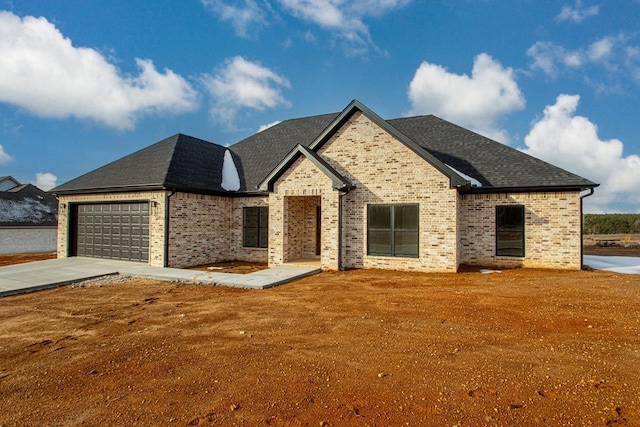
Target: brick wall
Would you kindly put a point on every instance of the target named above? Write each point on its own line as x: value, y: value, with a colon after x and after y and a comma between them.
x: 552, y: 230
x: 203, y: 229
x: 237, y: 251
x: 384, y: 171
x: 292, y: 209
x: 198, y: 229
x: 156, y: 219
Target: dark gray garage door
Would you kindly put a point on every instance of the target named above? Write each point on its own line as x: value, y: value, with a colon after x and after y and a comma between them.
x: 115, y: 231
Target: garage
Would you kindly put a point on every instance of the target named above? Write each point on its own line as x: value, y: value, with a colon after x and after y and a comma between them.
x: 112, y: 230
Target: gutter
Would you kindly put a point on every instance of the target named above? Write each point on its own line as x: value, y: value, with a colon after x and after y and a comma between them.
x: 165, y: 262
x: 591, y: 191
x: 539, y: 189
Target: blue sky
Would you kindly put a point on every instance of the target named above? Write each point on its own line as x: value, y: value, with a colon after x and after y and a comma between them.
x: 85, y: 83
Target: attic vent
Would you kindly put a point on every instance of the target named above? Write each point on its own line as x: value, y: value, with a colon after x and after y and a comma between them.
x: 230, y: 177
x: 474, y: 182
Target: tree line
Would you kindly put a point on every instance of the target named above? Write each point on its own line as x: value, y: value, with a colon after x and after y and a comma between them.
x: 611, y: 223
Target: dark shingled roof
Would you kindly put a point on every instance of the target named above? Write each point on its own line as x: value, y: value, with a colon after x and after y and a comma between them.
x: 494, y: 164
x: 258, y: 155
x: 189, y: 164
x: 27, y: 205
x: 179, y: 162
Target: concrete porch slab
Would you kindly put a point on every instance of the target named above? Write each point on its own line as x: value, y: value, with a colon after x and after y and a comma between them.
x: 34, y: 276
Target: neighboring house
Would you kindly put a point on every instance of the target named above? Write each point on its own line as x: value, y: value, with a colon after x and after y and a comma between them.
x: 28, y: 218
x: 7, y: 183
x: 349, y: 190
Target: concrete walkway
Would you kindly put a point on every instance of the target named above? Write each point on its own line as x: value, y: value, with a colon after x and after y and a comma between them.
x: 34, y: 276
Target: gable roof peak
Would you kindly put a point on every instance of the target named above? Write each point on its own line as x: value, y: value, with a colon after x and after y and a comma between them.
x: 340, y: 182
x: 456, y: 181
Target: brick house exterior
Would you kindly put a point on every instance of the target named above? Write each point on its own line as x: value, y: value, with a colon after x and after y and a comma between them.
x: 348, y: 190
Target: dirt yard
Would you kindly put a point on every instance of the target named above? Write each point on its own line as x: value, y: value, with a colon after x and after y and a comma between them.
x: 358, y: 348
x: 612, y: 245
x: 22, y: 258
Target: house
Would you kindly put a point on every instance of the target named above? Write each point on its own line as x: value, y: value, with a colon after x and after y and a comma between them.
x: 7, y: 183
x: 348, y: 190
x: 28, y: 218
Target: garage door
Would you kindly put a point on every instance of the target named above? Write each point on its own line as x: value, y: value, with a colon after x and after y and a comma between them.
x: 115, y: 231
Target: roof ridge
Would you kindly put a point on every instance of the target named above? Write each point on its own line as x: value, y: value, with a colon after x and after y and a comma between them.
x: 413, y: 117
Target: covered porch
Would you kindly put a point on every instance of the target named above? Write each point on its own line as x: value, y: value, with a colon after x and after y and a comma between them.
x: 305, y: 193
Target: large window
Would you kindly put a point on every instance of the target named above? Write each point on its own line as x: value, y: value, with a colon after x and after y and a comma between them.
x: 510, y: 231
x: 255, y: 227
x: 392, y: 230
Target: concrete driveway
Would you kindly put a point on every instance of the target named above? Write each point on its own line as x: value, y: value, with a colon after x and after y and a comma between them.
x: 34, y: 276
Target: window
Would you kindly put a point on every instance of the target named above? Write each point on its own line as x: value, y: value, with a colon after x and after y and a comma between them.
x: 255, y: 227
x: 392, y: 230
x: 510, y: 231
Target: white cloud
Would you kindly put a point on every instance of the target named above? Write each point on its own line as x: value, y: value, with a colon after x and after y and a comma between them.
x: 601, y: 49
x: 242, y: 84
x: 344, y: 18
x: 244, y: 15
x: 42, y: 72
x: 613, y: 53
x: 4, y: 157
x: 45, y: 180
x: 549, y: 57
x: 476, y: 102
x: 572, y: 142
x: 268, y: 125
x: 577, y: 13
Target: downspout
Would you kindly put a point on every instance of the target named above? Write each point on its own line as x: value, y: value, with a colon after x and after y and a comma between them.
x: 340, y: 195
x: 582, y: 227
x: 165, y: 263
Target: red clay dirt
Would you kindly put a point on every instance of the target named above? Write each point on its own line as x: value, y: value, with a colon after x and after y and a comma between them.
x: 356, y: 348
x: 22, y: 258
x: 235, y: 267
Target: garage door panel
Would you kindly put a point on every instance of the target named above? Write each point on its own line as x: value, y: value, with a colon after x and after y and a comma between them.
x: 115, y: 231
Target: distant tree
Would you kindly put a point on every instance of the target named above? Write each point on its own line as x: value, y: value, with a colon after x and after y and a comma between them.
x: 611, y: 223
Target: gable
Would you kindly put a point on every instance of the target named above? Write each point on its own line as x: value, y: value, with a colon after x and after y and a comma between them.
x: 258, y: 155
x: 338, y: 181
x: 375, y: 160
x: 302, y: 177
x: 7, y: 183
x: 355, y: 107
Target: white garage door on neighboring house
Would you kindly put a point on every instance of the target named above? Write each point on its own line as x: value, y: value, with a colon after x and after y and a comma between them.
x: 112, y: 230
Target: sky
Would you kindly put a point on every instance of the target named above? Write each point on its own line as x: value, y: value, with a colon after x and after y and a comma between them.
x: 83, y: 83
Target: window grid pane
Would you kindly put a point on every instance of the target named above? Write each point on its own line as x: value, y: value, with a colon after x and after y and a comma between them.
x: 380, y: 217
x: 406, y: 243
x: 380, y: 242
x: 255, y: 227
